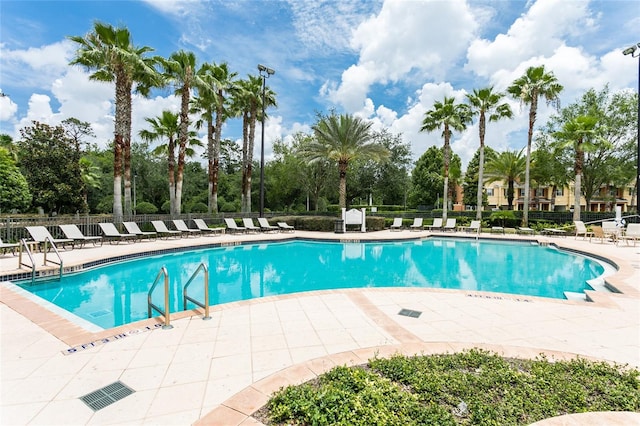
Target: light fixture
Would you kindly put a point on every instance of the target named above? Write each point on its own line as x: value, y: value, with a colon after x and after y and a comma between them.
x: 631, y: 50
x: 265, y: 72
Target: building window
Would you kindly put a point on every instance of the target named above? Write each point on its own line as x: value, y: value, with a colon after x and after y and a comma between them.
x: 490, y: 192
x: 559, y: 192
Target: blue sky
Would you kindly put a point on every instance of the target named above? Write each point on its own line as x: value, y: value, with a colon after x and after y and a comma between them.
x: 386, y: 61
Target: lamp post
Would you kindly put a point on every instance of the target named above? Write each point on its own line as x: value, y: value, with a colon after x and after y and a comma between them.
x: 265, y: 72
x: 635, y: 53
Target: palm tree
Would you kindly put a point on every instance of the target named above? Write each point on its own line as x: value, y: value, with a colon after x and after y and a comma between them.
x: 180, y: 70
x: 449, y: 116
x: 533, y: 84
x: 247, y: 102
x: 110, y: 52
x: 507, y: 166
x: 213, y: 106
x: 581, y: 135
x: 343, y: 139
x: 486, y: 101
x: 166, y: 127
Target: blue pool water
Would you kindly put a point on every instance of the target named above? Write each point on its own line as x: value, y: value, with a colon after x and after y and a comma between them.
x: 117, y: 294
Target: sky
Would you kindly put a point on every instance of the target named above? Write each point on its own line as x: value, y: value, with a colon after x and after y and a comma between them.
x: 386, y: 61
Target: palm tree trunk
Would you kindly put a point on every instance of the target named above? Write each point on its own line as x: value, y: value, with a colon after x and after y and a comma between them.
x: 532, y: 120
x: 210, y: 161
x: 245, y: 166
x: 342, y: 189
x: 445, y: 195
x: 216, y: 155
x: 122, y: 94
x: 578, y: 180
x: 480, y: 169
x: 128, y: 210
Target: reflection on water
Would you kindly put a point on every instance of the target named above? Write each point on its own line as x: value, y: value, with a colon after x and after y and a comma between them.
x: 117, y: 294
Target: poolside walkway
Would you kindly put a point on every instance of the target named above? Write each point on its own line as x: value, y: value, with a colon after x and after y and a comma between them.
x: 220, y: 371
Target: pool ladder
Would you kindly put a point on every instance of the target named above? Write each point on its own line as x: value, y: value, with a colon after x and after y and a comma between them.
x: 24, y: 247
x: 185, y: 297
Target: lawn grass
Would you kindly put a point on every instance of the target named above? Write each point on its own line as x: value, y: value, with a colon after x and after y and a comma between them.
x: 469, y: 388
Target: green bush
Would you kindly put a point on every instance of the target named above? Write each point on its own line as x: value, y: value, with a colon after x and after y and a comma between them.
x: 166, y: 207
x: 199, y: 207
x: 145, y: 207
x: 229, y: 207
x: 504, y: 218
x: 475, y: 387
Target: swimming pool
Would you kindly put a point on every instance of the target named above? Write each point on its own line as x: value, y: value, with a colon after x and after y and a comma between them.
x: 116, y: 294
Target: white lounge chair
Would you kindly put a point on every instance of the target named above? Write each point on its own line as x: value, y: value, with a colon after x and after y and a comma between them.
x: 396, y: 225
x: 41, y: 235
x: 265, y: 226
x: 450, y: 225
x: 74, y: 233
x: 611, y: 230
x: 133, y: 228
x: 581, y: 229
x: 437, y: 224
x: 526, y: 230
x: 202, y: 226
x: 6, y: 246
x: 232, y: 226
x: 284, y: 227
x: 249, y: 225
x: 416, y: 225
x: 474, y: 226
x: 182, y: 227
x: 632, y: 233
x: 111, y: 233
x: 162, y: 229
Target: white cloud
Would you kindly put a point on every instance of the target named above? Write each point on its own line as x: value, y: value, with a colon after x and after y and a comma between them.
x: 8, y: 108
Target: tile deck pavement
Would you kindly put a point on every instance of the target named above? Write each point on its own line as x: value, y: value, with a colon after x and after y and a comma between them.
x: 219, y: 372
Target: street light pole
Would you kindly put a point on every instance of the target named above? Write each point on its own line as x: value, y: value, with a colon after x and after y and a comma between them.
x: 635, y: 53
x: 265, y: 72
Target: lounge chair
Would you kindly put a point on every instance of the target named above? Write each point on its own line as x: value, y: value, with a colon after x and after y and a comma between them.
x: 232, y: 226
x: 581, y: 229
x: 526, y: 230
x: 111, y: 233
x: 396, y: 225
x: 182, y: 227
x: 133, y: 228
x: 611, y: 230
x: 416, y: 225
x: 474, y: 226
x: 249, y: 225
x: 74, y: 233
x: 163, y: 231
x: 265, y: 226
x: 284, y: 227
x: 437, y: 224
x: 202, y: 226
x: 632, y: 233
x: 6, y: 246
x: 450, y: 225
x: 41, y: 235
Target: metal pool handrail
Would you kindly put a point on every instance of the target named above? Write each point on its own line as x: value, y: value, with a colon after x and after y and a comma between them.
x: 150, y: 305
x: 202, y: 267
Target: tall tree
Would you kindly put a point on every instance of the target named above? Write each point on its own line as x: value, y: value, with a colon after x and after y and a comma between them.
x: 166, y: 127
x: 14, y: 189
x: 180, y: 71
x: 247, y: 101
x: 579, y: 135
x: 51, y: 165
x: 111, y: 53
x: 528, y: 88
x: 471, y: 178
x: 449, y: 116
x: 507, y: 166
x: 343, y: 139
x: 486, y: 101
x: 213, y: 105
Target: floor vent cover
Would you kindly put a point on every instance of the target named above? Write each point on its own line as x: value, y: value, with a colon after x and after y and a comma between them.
x: 109, y: 394
x: 409, y: 313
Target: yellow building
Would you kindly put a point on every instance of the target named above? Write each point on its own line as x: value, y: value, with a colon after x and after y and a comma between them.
x: 543, y: 199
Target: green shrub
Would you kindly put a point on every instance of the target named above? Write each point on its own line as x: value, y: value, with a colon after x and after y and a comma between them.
x: 145, y: 207
x: 199, y: 207
x: 474, y: 387
x: 166, y: 207
x: 504, y: 218
x: 229, y: 207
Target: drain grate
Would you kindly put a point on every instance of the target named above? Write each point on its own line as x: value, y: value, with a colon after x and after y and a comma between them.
x: 109, y: 394
x: 409, y: 313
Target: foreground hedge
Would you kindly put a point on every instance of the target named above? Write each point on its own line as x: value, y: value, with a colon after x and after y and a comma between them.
x: 469, y: 388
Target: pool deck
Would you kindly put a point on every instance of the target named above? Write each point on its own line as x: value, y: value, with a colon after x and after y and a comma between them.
x: 219, y: 372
